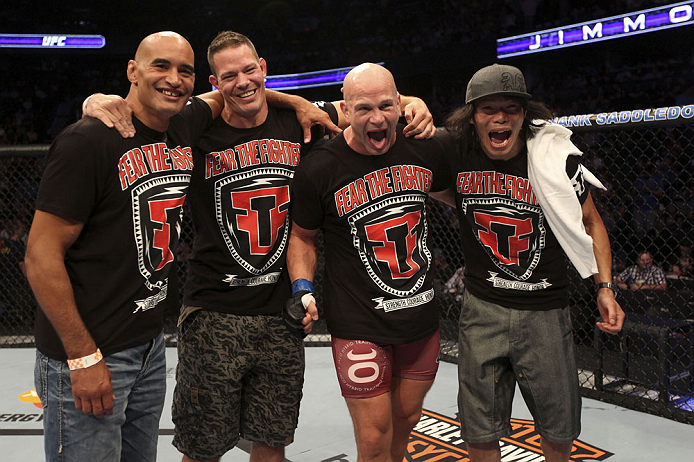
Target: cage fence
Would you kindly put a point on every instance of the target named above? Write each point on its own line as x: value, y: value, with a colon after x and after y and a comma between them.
x: 648, y: 207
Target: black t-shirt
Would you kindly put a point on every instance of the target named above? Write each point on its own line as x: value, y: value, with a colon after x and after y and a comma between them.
x: 512, y: 257
x: 378, y: 285
x: 129, y: 194
x: 240, y: 201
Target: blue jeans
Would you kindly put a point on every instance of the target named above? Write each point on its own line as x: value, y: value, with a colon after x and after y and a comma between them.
x: 138, y: 377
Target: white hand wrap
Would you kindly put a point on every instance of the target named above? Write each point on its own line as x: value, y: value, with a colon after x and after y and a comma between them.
x: 306, y: 300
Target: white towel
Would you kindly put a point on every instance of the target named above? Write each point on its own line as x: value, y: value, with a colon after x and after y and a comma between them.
x: 547, y: 153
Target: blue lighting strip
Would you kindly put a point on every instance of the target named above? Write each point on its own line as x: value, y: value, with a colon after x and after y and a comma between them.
x: 639, y: 22
x: 51, y: 41
x: 308, y: 79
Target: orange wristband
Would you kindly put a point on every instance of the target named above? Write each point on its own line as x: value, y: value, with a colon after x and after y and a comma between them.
x: 85, y: 361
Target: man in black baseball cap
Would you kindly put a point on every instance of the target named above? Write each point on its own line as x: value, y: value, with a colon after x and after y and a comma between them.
x: 523, y: 208
x: 497, y: 79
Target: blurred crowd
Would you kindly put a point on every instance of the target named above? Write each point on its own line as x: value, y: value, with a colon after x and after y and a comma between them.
x: 433, y: 47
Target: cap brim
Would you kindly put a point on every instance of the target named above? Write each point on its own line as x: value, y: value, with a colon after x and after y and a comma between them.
x: 517, y: 94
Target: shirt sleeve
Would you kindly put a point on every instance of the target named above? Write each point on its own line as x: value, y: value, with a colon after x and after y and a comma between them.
x: 451, y: 152
x: 307, y: 208
x: 194, y: 119
x: 574, y: 170
x: 442, y: 171
x: 316, y: 131
x: 72, y: 179
x: 329, y: 108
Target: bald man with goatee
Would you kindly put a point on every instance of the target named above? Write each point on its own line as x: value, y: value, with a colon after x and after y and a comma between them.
x: 367, y: 189
x: 99, y: 255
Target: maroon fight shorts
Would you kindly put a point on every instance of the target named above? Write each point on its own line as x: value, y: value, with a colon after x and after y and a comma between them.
x: 364, y: 369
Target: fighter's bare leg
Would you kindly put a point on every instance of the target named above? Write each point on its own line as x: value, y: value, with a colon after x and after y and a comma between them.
x: 490, y: 452
x: 373, y: 427
x: 555, y: 452
x: 259, y: 453
x: 407, y: 397
x: 484, y: 452
x: 262, y: 453
x: 188, y: 459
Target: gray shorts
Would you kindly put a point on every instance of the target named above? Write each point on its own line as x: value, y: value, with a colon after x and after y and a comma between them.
x: 499, y: 347
x: 237, y: 377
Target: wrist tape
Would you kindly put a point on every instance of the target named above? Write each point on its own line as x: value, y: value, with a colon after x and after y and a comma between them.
x: 302, y: 284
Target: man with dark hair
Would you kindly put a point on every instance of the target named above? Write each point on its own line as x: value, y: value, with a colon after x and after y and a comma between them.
x: 240, y: 370
x: 99, y: 256
x: 228, y: 39
x: 521, y: 200
x: 367, y: 189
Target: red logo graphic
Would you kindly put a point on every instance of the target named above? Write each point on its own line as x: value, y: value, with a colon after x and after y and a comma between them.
x: 157, y: 213
x: 391, y: 239
x: 164, y: 213
x: 398, y: 239
x: 265, y: 214
x: 512, y: 234
x: 252, y: 211
x: 506, y: 237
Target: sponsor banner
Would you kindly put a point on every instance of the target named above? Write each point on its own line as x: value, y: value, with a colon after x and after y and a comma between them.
x: 635, y: 117
x: 598, y: 30
x: 51, y: 41
x: 437, y: 438
x: 23, y: 418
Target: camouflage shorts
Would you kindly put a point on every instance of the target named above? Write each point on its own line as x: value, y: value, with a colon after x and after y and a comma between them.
x: 237, y: 377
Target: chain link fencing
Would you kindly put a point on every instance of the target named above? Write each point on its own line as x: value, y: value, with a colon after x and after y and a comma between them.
x: 20, y: 173
x: 646, y: 160
x: 646, y: 163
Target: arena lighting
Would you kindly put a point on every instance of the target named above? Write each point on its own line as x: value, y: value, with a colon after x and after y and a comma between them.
x: 308, y: 79
x: 639, y: 22
x: 51, y: 41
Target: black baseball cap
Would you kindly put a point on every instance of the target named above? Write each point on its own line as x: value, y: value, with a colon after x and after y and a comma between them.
x: 497, y: 79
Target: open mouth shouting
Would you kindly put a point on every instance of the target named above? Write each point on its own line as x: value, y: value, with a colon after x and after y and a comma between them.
x: 378, y: 138
x: 499, y: 138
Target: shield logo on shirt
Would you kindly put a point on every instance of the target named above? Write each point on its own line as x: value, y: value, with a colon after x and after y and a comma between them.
x: 513, y: 235
x: 252, y: 210
x: 390, y: 237
x: 157, y: 213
